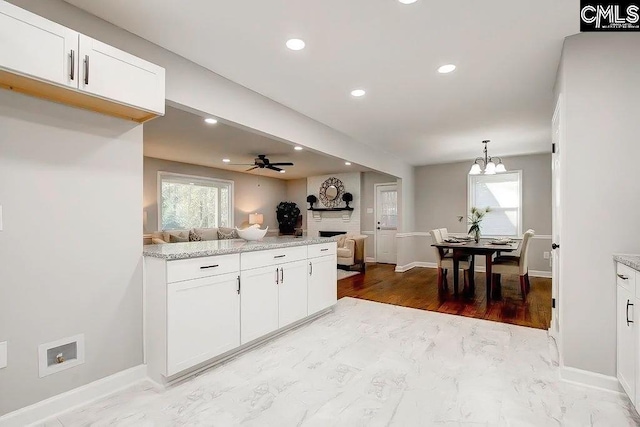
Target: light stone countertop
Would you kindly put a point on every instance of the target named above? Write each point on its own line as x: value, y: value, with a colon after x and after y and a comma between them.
x: 172, y: 251
x: 632, y: 261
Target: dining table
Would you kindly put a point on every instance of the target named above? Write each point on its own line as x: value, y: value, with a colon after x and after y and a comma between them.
x: 462, y: 250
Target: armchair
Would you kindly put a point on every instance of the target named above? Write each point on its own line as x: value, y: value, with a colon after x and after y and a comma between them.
x: 351, y: 251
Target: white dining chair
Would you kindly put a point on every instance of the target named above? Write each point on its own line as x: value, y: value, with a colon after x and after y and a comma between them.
x: 516, y: 265
x: 446, y: 262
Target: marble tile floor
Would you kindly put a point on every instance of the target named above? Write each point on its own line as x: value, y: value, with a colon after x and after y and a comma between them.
x: 372, y: 364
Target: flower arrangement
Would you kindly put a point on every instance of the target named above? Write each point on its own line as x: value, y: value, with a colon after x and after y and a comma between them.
x: 475, y: 219
x: 287, y: 214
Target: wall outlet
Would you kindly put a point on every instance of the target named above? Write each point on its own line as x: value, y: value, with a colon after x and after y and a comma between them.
x: 3, y: 354
x: 546, y: 255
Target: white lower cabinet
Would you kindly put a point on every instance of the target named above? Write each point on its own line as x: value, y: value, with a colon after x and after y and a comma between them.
x: 203, y: 320
x: 627, y: 332
x: 258, y: 302
x: 322, y: 283
x: 292, y: 293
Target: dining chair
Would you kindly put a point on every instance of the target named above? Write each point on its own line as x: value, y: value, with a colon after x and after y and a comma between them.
x: 516, y: 265
x: 446, y: 262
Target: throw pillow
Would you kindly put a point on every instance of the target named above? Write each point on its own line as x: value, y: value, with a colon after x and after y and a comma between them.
x: 225, y: 233
x: 177, y: 238
x: 194, y: 236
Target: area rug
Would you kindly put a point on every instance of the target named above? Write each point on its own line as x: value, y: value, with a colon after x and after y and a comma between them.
x: 343, y: 274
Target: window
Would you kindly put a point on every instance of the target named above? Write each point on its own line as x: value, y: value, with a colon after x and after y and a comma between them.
x: 503, y: 194
x: 194, y: 202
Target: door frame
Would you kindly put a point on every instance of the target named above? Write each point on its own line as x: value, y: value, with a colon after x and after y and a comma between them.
x: 375, y: 215
x: 556, y: 223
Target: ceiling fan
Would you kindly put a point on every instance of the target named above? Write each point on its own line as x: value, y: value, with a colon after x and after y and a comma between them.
x: 263, y: 162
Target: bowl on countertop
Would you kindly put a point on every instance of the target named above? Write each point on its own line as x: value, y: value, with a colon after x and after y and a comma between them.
x: 252, y: 233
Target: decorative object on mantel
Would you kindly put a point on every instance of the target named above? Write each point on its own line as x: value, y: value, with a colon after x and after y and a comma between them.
x: 287, y: 214
x: 490, y: 168
x: 475, y: 219
x: 347, y: 198
x: 311, y: 199
x: 331, y: 192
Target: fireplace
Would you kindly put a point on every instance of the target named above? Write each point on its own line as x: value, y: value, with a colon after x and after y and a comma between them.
x: 331, y: 233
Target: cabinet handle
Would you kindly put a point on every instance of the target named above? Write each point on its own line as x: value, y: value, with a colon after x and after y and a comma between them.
x: 277, y: 277
x: 623, y: 277
x: 324, y: 250
x: 86, y: 69
x: 72, y: 73
x: 281, y: 275
x: 628, y: 304
x: 204, y: 267
x: 238, y: 285
x: 279, y: 256
x: 310, y: 269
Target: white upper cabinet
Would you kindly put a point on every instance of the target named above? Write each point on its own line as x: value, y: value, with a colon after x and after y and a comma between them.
x: 113, y: 74
x: 36, y: 47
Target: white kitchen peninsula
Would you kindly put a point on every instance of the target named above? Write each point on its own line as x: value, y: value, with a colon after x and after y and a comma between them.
x: 205, y: 301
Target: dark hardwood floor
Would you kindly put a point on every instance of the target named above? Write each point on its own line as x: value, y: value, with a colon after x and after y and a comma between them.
x: 417, y: 288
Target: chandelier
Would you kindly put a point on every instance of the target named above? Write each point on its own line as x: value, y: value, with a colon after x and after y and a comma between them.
x: 488, y: 165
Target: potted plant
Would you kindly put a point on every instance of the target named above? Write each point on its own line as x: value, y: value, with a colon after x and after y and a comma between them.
x: 311, y: 199
x: 348, y: 198
x: 287, y: 214
x: 475, y: 219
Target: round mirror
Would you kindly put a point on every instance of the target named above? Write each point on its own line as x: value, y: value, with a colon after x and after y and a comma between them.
x: 332, y: 192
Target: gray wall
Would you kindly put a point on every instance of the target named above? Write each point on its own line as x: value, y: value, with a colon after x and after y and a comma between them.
x: 368, y: 220
x: 297, y: 192
x: 441, y: 196
x: 600, y: 190
x: 70, y: 188
x: 252, y: 193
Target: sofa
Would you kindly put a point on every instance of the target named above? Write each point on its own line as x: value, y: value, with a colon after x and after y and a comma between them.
x: 351, y: 251
x: 175, y: 236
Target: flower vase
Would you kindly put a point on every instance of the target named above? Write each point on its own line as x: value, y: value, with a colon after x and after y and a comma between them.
x: 476, y: 235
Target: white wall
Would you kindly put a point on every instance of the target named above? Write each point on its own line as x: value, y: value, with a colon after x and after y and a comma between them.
x: 334, y: 221
x: 297, y: 193
x: 600, y: 193
x: 252, y: 193
x: 71, y: 192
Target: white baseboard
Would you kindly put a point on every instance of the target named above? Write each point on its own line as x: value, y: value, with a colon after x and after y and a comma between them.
x: 71, y: 399
x: 369, y: 259
x: 478, y: 269
x: 590, y: 379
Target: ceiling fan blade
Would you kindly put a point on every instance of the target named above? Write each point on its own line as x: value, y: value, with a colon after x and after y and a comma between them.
x: 240, y: 164
x: 282, y: 164
x: 273, y: 168
x: 250, y: 169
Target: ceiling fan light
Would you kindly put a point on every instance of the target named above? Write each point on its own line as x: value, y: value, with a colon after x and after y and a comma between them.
x: 500, y: 168
x: 475, y: 169
x: 490, y: 169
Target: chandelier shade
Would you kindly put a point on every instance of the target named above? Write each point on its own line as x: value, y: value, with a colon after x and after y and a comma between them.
x: 489, y: 167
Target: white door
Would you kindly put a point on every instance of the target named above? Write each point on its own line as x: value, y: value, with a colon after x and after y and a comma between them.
x: 36, y: 47
x: 386, y: 222
x: 258, y: 302
x: 203, y: 320
x: 323, y: 283
x: 626, y: 340
x: 292, y: 292
x: 113, y: 74
x: 556, y: 137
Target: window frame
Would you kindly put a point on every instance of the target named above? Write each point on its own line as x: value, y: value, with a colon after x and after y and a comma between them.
x: 471, y: 198
x: 162, y: 174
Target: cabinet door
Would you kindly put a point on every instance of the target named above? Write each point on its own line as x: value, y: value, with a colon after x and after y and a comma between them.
x: 203, y: 320
x: 626, y: 340
x: 323, y: 283
x: 258, y: 302
x: 292, y: 293
x: 36, y: 47
x: 116, y: 75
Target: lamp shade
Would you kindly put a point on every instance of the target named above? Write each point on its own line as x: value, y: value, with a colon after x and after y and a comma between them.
x: 256, y: 218
x: 490, y: 169
x: 475, y: 169
x: 500, y: 168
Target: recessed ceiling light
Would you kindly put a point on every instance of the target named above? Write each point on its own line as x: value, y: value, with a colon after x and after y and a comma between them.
x: 407, y: 1
x: 210, y: 120
x: 347, y: 163
x: 226, y: 160
x: 295, y: 44
x: 298, y: 148
x: 282, y: 171
x: 446, y: 68
x: 358, y: 93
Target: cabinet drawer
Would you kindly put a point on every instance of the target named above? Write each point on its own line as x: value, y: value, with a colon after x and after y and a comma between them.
x: 196, y: 268
x: 322, y: 249
x: 249, y: 260
x: 626, y: 277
